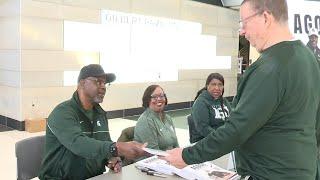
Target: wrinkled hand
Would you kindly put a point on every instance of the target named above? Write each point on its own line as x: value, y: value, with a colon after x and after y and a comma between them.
x: 175, y: 158
x: 115, y: 164
x: 131, y: 150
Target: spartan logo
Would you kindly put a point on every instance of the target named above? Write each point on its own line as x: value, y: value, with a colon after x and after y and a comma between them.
x: 98, y: 123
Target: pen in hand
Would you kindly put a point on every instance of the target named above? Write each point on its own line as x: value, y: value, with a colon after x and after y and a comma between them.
x: 115, y: 164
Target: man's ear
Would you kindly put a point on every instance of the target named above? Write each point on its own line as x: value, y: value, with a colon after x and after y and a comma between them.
x: 81, y: 82
x: 268, y: 18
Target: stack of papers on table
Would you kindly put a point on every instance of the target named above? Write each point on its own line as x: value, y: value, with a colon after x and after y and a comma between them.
x: 207, y: 170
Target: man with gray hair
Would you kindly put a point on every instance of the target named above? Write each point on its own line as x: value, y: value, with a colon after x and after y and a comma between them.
x: 272, y: 126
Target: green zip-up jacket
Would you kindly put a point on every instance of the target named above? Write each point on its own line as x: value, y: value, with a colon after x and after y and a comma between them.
x: 157, y: 133
x: 207, y: 115
x: 77, y: 142
x: 272, y: 127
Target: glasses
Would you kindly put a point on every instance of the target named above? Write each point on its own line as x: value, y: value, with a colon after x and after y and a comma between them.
x: 244, y: 21
x: 160, y: 96
x: 98, y: 82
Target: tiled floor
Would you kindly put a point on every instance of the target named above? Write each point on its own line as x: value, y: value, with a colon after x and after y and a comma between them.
x: 9, y: 138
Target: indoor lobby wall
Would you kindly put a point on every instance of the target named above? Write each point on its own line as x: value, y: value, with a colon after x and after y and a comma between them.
x: 10, y: 75
x: 42, y: 58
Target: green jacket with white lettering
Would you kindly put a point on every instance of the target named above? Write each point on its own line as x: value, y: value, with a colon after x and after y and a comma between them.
x: 207, y: 115
x: 77, y: 142
x: 272, y: 127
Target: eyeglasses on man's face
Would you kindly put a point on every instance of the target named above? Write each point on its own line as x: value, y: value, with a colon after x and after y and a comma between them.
x: 158, y: 96
x: 97, y: 81
x: 244, y: 21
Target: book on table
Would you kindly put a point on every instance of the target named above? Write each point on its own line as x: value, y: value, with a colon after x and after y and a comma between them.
x: 207, y: 170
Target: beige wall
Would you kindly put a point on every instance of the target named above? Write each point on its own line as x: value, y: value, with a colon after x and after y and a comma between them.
x: 31, y: 70
x: 10, y: 75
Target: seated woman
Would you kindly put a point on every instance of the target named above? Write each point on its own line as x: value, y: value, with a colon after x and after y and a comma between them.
x: 154, y: 126
x: 210, y: 109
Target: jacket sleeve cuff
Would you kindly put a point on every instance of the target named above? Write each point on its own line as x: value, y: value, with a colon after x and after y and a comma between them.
x: 106, y: 149
x: 187, y: 156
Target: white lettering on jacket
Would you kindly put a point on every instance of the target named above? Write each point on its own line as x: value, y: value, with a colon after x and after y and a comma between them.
x: 219, y: 114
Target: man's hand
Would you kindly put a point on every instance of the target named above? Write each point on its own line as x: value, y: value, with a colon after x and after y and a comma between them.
x: 131, y: 150
x: 175, y: 158
x: 114, y: 164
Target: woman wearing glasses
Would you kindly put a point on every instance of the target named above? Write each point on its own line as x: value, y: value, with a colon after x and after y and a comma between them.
x: 210, y: 109
x: 154, y: 126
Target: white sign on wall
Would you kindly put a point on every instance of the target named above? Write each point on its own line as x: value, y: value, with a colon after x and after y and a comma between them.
x: 140, y: 48
x: 303, y: 15
x: 156, y: 47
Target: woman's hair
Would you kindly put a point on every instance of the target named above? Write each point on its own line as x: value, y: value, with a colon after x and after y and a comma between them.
x: 209, y: 79
x: 146, y: 98
x: 199, y: 92
x: 214, y: 76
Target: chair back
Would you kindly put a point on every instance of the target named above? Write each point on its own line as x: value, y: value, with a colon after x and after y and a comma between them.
x: 127, y: 134
x: 29, y: 153
x: 192, y: 129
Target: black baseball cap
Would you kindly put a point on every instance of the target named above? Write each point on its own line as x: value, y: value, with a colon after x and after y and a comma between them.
x: 95, y: 70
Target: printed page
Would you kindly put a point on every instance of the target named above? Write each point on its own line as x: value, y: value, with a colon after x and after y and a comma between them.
x: 207, y: 170
x: 157, y: 164
x: 204, y: 171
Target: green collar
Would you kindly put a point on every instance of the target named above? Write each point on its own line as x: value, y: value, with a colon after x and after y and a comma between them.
x: 75, y: 99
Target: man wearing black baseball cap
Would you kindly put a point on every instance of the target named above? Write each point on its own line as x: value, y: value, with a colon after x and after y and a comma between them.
x: 95, y: 70
x: 78, y: 143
